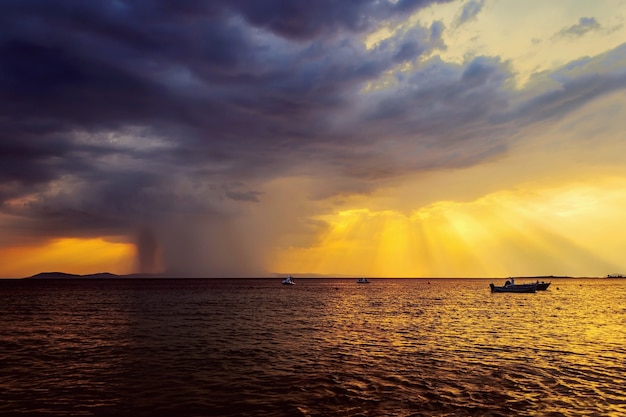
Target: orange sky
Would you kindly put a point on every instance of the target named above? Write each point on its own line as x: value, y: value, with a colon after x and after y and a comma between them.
x: 71, y: 255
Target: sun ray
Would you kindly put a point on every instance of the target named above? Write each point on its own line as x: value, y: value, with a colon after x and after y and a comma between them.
x: 520, y: 232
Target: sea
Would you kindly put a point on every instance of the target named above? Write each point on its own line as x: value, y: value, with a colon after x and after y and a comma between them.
x: 322, y: 347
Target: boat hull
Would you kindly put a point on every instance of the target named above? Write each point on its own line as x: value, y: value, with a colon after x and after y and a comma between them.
x: 525, y: 289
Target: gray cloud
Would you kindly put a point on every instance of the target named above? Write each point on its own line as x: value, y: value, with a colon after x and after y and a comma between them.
x: 469, y: 12
x: 584, y: 25
x: 573, y: 85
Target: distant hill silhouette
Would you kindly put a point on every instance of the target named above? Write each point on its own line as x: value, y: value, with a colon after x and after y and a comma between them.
x: 99, y: 275
x: 63, y: 275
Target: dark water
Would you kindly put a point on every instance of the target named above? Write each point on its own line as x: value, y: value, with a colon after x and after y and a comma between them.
x: 320, y: 348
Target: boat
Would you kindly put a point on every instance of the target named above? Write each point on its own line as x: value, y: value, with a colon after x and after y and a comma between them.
x: 289, y: 281
x: 362, y: 281
x: 542, y: 286
x: 511, y: 286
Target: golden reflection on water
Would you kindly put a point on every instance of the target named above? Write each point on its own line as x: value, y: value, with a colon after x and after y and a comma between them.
x: 561, y: 344
x: 393, y: 347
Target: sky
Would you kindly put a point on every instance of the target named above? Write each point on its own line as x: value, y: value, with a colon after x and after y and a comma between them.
x: 378, y: 138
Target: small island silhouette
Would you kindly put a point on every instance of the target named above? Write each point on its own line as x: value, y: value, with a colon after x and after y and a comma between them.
x: 98, y: 275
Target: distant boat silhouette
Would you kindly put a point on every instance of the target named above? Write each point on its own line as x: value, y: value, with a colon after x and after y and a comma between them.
x: 511, y: 286
x: 289, y: 281
x: 542, y: 286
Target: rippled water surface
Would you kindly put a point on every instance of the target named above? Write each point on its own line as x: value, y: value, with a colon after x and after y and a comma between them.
x: 324, y: 347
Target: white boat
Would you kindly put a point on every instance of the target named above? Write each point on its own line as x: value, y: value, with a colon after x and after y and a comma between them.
x: 362, y: 281
x: 289, y: 281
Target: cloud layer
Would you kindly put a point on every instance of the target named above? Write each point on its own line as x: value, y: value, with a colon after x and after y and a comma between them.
x: 164, y: 121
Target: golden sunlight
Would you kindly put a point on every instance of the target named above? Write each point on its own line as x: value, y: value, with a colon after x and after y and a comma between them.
x: 561, y: 231
x: 71, y: 255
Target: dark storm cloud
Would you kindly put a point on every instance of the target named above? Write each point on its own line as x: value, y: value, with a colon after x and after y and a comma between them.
x: 189, y: 66
x: 435, y: 102
x: 304, y: 19
x: 252, y: 196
